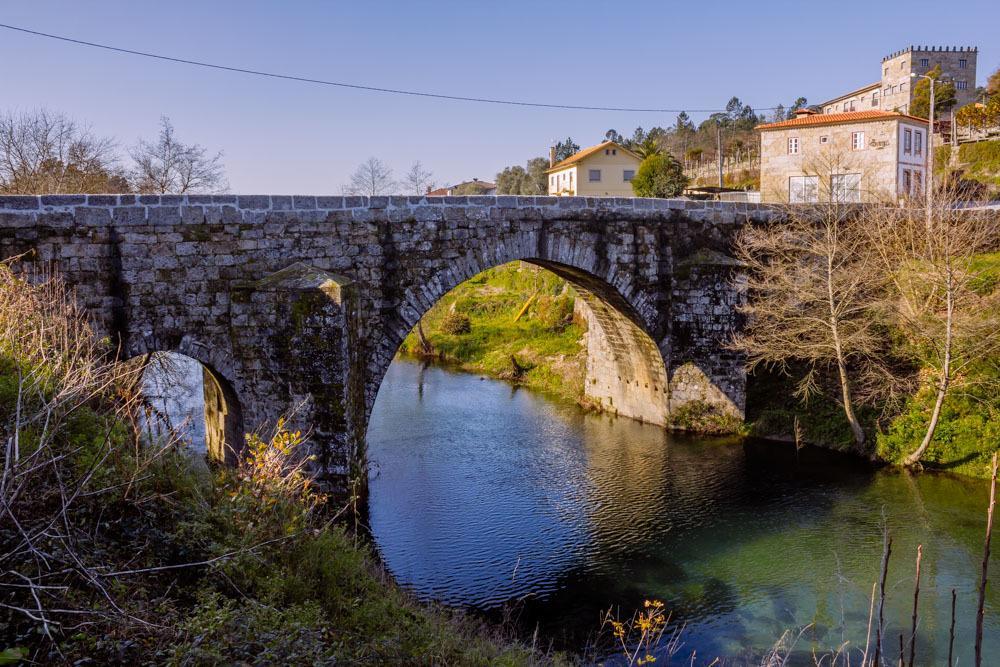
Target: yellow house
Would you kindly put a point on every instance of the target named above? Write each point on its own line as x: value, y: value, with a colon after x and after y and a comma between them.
x: 606, y: 169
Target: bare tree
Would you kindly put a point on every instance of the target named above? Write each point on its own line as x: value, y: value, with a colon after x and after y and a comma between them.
x: 44, y: 152
x: 417, y: 181
x: 813, y: 284
x: 930, y: 259
x: 372, y: 177
x: 168, y: 166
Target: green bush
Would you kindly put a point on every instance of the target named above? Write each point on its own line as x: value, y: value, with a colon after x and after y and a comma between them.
x: 456, y: 324
x: 659, y: 176
x: 967, y: 433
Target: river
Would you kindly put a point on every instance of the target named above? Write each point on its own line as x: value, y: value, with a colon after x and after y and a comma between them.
x: 501, y: 500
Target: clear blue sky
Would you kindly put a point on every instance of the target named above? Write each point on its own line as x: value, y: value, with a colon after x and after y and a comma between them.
x: 285, y: 137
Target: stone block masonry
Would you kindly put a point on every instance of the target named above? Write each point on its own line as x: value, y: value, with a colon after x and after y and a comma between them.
x: 296, y: 305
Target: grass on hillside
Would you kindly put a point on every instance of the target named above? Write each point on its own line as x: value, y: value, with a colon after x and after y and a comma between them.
x: 476, y: 326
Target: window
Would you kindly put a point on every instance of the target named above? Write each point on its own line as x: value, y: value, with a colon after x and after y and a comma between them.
x: 571, y: 180
x: 829, y: 109
x: 628, y: 175
x: 918, y: 183
x: 793, y: 145
x: 857, y: 141
x: 901, y: 64
x: 924, y: 62
x: 918, y: 142
x: 907, y: 141
x: 552, y: 181
x: 907, y: 181
x: 594, y: 176
x: 607, y: 151
x: 887, y: 71
x: 961, y: 85
x: 614, y: 151
x: 875, y: 99
x: 803, y: 189
x: 963, y: 63
x: 845, y: 187
x: 824, y: 140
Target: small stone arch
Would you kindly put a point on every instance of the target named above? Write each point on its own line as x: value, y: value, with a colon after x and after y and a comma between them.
x: 224, y: 426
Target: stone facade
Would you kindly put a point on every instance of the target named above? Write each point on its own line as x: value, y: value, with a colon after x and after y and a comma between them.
x: 297, y: 305
x: 888, y: 164
x: 958, y: 64
x: 894, y: 92
x: 857, y: 100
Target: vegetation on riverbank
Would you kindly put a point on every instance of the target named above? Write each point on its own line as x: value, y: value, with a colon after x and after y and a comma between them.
x: 884, y: 323
x: 513, y: 322
x: 114, y: 551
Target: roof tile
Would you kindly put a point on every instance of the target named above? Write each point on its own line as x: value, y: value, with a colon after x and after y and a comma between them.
x: 838, y: 118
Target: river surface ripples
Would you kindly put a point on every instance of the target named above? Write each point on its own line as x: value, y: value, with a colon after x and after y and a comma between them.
x: 498, y: 499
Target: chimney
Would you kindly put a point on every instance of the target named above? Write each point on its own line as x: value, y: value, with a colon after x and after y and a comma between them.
x: 552, y: 156
x: 803, y: 112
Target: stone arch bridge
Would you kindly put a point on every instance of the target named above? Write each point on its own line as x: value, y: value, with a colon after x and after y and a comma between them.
x: 301, y: 302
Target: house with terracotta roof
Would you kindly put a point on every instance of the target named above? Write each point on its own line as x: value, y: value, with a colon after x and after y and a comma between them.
x: 870, y: 155
x: 473, y: 187
x: 604, y: 170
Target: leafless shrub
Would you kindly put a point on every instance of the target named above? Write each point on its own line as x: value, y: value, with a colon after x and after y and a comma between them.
x: 58, y: 370
x: 814, y: 288
x: 168, y: 165
x: 44, y: 152
x: 928, y: 255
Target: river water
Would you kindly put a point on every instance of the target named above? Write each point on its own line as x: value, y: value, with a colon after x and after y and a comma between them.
x: 504, y: 501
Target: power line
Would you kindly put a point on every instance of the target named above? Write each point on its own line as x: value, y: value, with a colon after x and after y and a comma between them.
x: 354, y: 86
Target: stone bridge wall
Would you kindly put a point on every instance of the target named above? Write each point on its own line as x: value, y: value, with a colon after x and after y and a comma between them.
x: 301, y: 302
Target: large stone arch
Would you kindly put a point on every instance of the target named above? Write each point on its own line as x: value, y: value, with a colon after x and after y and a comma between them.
x: 627, y: 370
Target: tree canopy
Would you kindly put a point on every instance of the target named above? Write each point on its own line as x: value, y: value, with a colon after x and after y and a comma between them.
x: 993, y: 83
x: 944, y: 95
x: 527, y: 180
x: 659, y: 175
x: 566, y: 148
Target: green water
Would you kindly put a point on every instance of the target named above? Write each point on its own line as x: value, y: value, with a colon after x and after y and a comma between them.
x: 498, y: 499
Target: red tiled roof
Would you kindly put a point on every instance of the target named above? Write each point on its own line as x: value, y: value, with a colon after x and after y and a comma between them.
x: 838, y: 118
x: 587, y: 152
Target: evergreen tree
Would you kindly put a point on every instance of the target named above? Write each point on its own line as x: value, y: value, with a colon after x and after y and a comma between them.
x: 566, y: 148
x: 800, y: 103
x: 684, y: 124
x: 944, y: 95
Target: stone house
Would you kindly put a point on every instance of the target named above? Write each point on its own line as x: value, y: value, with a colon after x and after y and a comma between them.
x: 604, y: 170
x: 857, y: 156
x: 894, y: 92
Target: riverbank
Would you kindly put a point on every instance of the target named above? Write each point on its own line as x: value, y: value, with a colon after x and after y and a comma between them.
x: 513, y: 322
